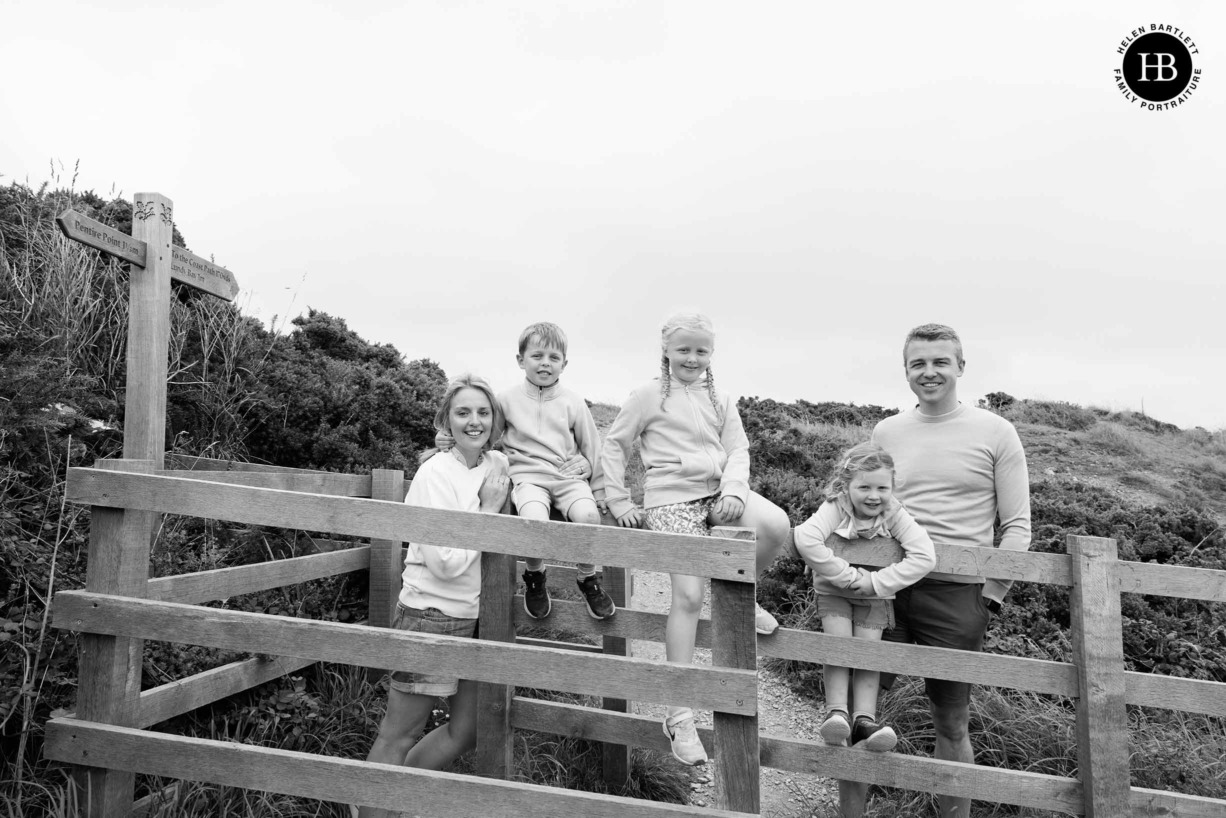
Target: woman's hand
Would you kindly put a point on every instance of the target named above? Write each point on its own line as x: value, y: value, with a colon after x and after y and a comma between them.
x: 443, y: 441
x: 577, y: 466
x: 493, y: 491
x: 631, y: 519
x: 727, y: 510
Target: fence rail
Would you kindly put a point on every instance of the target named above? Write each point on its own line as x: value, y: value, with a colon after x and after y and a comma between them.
x: 120, y: 607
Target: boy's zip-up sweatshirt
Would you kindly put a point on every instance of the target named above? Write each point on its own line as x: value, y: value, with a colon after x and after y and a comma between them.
x: 687, y: 453
x: 545, y: 428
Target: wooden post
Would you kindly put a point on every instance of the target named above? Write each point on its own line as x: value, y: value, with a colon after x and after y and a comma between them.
x: 497, y: 622
x: 735, y: 644
x: 385, y: 563
x: 110, y: 668
x: 617, y: 582
x: 1098, y: 646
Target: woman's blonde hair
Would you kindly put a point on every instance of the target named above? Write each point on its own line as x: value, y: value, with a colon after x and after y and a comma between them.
x: 466, y: 381
x: 693, y: 322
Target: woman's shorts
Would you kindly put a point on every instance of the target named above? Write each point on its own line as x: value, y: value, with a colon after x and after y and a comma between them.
x: 877, y: 614
x: 432, y: 621
x: 682, y: 518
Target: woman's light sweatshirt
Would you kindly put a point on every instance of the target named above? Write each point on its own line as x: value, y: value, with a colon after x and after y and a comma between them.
x: 448, y: 579
x: 687, y: 452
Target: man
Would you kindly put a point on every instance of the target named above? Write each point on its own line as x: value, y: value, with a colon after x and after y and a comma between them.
x: 959, y: 468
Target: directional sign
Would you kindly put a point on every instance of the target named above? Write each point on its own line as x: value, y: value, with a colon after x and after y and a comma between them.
x: 100, y: 237
x: 186, y: 268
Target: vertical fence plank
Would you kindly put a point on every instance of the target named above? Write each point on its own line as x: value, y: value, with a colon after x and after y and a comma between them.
x: 1098, y: 645
x: 385, y: 567
x: 497, y: 622
x: 735, y: 644
x: 617, y: 756
x: 110, y: 667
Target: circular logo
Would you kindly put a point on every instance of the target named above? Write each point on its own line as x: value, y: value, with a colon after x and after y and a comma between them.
x: 1157, y: 67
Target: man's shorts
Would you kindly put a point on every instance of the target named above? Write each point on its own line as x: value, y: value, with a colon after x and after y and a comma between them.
x: 942, y: 614
x: 559, y: 494
x: 877, y: 614
x: 682, y: 518
x: 435, y: 622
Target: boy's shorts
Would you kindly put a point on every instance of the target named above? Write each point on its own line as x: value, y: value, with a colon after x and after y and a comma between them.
x: 559, y: 494
x: 682, y: 518
x: 432, y: 621
x: 942, y: 614
x: 877, y: 614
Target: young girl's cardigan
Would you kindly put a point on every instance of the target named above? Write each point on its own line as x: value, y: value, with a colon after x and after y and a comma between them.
x: 687, y: 452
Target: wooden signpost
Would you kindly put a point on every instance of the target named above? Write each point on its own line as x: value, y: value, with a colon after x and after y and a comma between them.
x: 110, y: 670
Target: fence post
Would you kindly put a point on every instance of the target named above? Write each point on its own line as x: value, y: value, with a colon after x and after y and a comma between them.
x: 497, y: 622
x: 618, y: 583
x: 1098, y: 646
x: 110, y: 668
x: 735, y: 644
x: 385, y: 565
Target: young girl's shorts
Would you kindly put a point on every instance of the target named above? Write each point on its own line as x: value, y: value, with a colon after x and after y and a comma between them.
x: 876, y: 614
x: 682, y: 518
x: 433, y: 621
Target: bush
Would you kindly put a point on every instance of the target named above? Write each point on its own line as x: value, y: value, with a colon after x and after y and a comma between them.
x: 1057, y: 414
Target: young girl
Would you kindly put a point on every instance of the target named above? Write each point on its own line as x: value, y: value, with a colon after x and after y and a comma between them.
x: 442, y: 585
x: 854, y: 601
x: 696, y: 457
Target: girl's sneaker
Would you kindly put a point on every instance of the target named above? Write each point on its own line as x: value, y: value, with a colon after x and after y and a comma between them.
x: 687, y: 747
x: 835, y: 729
x: 869, y: 735
x: 763, y: 622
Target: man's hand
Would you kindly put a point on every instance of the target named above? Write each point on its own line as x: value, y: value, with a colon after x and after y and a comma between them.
x: 727, y: 510
x: 631, y: 519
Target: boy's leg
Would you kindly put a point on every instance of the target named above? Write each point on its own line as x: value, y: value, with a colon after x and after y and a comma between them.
x: 403, y: 721
x: 536, y: 594
x: 445, y: 743
x: 599, y: 604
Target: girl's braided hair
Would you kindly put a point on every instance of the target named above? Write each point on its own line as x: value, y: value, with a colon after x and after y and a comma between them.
x: 861, y: 457
x: 693, y: 322
x: 442, y: 416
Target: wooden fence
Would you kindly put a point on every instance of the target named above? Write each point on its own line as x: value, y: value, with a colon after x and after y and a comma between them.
x: 120, y: 607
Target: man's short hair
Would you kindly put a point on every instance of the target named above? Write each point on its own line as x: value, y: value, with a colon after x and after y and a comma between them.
x: 546, y: 334
x: 932, y: 332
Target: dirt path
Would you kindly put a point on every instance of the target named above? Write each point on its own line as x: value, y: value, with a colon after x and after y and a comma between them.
x: 781, y: 712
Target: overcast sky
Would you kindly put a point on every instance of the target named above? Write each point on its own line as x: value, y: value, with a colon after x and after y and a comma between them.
x: 817, y: 177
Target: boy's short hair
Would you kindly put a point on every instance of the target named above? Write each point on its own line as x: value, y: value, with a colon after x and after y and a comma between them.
x: 547, y: 334
x: 932, y: 332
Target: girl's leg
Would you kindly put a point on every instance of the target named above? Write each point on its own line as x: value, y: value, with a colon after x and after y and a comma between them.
x: 864, y: 684
x: 445, y: 743
x: 836, y: 679
x: 771, y: 524
x: 681, y: 631
x: 403, y: 721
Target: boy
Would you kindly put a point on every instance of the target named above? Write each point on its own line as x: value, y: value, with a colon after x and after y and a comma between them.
x: 547, y: 425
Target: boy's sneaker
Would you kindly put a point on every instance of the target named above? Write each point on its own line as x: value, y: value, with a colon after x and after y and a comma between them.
x: 536, y: 595
x: 835, y: 729
x: 687, y: 748
x: 763, y: 622
x: 599, y: 604
x: 870, y: 735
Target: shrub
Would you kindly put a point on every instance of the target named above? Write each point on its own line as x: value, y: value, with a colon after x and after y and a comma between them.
x: 1057, y: 414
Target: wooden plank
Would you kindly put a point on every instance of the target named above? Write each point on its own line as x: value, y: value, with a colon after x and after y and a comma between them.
x: 185, y: 695
x: 187, y: 462
x: 1171, y: 580
x: 109, y: 673
x: 202, y: 274
x: 386, y: 562
x: 551, y: 643
x: 1145, y: 802
x: 605, y: 545
x: 337, y: 485
x: 144, y: 425
x: 438, y: 794
x: 1174, y: 693
x: 1034, y: 790
x: 101, y: 237
x: 223, y: 583
x: 1098, y: 648
x: 709, y: 688
x: 616, y: 757
x: 494, y: 757
x: 735, y: 743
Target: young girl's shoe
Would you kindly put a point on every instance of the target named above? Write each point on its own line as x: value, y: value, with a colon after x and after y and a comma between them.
x: 869, y: 735
x: 835, y: 729
x: 687, y: 748
x: 763, y: 622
